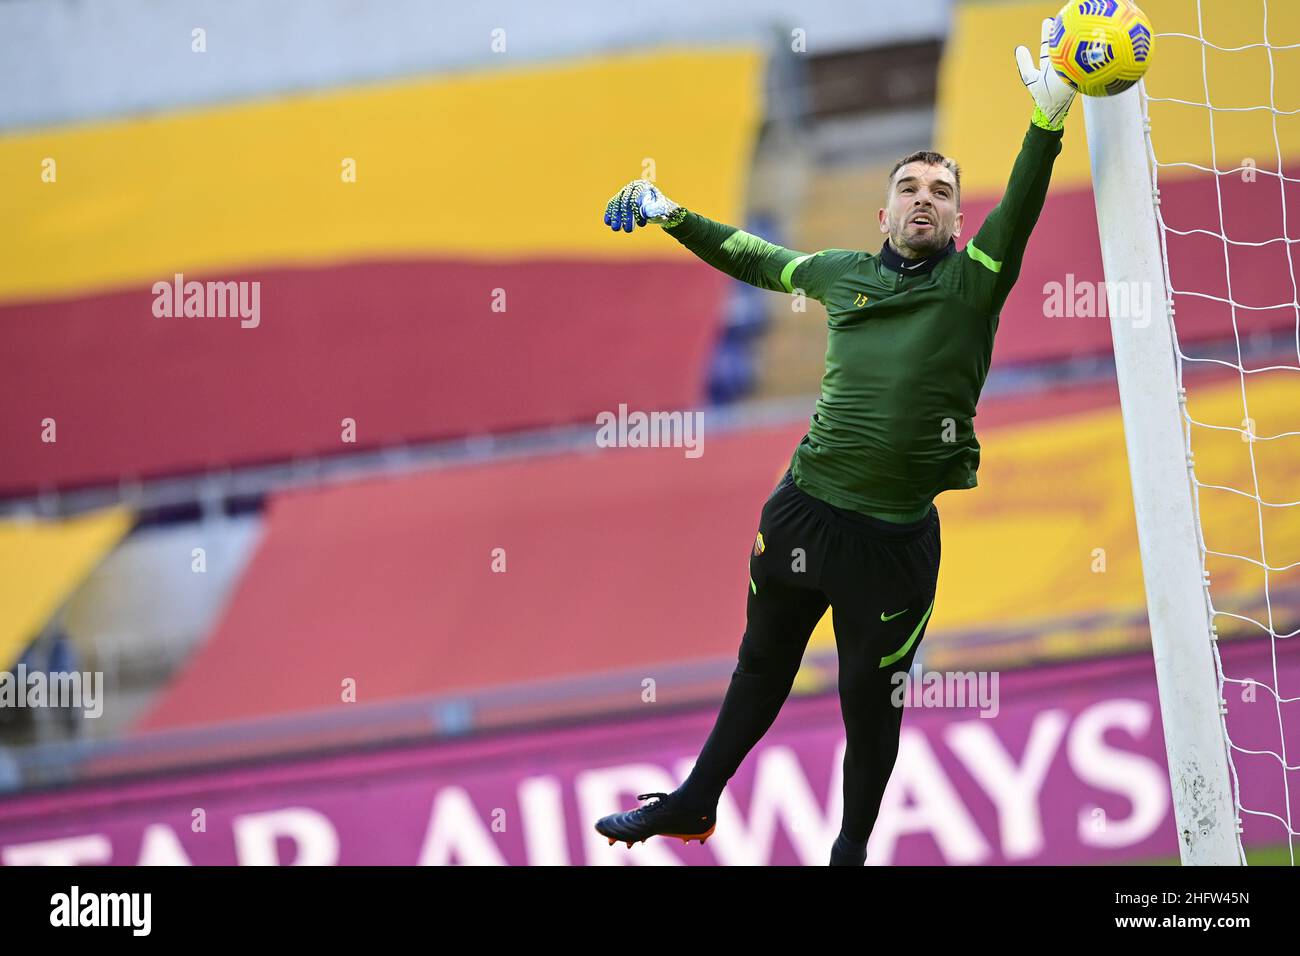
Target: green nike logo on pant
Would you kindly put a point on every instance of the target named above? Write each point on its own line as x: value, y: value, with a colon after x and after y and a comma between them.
x: 886, y: 661
x: 892, y: 616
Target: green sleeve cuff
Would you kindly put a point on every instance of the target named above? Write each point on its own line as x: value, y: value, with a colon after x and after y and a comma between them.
x: 1040, y: 120
x: 676, y: 219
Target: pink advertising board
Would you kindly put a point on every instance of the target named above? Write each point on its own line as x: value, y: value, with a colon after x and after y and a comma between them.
x: 1062, y: 765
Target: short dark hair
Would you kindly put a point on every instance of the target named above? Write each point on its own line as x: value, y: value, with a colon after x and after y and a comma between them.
x: 930, y: 158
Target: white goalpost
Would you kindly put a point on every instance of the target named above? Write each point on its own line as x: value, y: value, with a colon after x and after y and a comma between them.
x: 1151, y: 400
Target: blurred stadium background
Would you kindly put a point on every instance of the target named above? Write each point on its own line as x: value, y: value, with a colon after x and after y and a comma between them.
x: 310, y: 651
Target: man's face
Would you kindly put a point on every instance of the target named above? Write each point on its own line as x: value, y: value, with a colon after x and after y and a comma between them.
x: 922, y: 213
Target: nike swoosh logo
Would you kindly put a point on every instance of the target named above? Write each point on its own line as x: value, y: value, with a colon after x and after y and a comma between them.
x: 892, y: 616
x: 902, y: 651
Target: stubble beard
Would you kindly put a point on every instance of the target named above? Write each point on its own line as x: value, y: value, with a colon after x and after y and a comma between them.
x: 916, y: 247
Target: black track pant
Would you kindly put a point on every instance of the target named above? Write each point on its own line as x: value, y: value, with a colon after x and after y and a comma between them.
x: 880, y: 579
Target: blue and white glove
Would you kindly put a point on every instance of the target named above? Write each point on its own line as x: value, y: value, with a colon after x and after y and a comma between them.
x: 1052, y: 95
x: 641, y: 202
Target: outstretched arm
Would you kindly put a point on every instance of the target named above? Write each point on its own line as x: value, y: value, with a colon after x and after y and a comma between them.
x: 739, y: 254
x: 748, y: 258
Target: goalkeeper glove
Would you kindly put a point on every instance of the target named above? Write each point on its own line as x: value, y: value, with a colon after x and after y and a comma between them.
x: 641, y: 202
x: 1052, y: 95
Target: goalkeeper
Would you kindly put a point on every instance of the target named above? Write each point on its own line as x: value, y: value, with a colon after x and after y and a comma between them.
x: 852, y: 525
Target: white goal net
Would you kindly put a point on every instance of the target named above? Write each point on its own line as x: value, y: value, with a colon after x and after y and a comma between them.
x: 1221, y: 112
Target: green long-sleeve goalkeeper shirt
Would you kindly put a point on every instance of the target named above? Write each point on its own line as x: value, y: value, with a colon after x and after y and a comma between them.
x: 906, y: 355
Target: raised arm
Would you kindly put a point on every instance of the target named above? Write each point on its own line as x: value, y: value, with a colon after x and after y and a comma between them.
x: 998, y: 249
x: 995, y: 254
